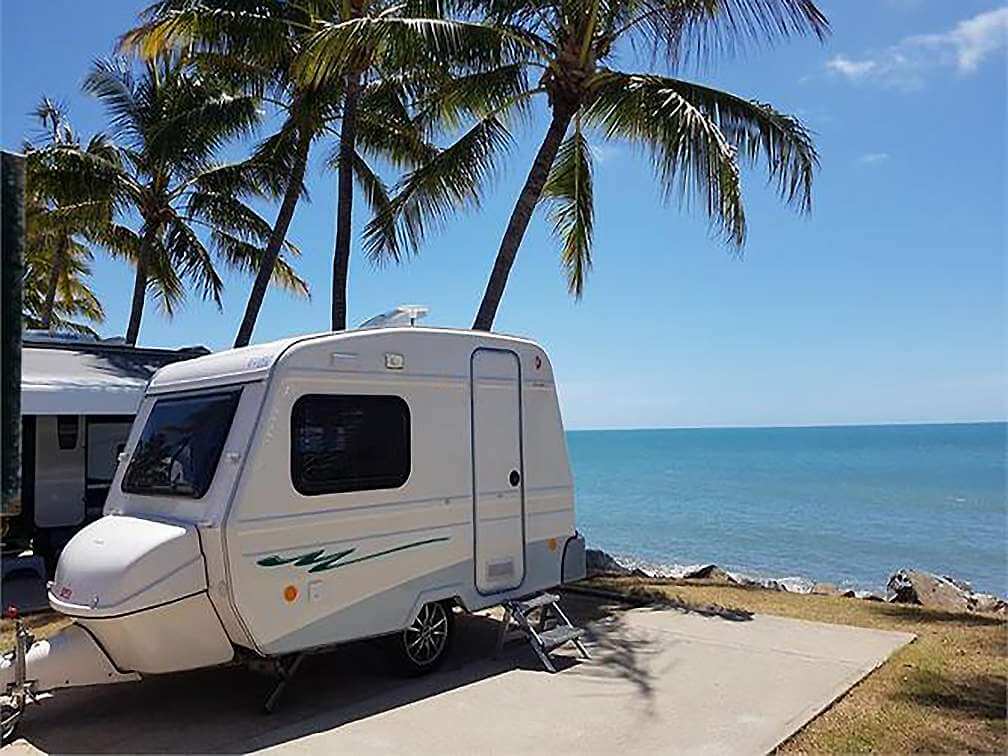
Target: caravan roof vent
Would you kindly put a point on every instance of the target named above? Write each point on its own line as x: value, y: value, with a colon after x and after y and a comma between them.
x: 401, y: 316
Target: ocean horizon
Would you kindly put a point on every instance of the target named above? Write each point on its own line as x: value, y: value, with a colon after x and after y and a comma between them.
x: 848, y: 504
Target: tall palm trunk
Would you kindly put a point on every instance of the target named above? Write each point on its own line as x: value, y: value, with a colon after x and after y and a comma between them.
x: 137, y: 306
x: 521, y: 215
x: 53, y: 284
x: 140, y: 285
x: 276, y: 239
x: 344, y: 202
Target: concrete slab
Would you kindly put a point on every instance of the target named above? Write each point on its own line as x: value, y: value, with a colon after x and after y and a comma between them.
x: 660, y: 681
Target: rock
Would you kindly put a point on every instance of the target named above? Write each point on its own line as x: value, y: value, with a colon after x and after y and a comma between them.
x: 826, y: 589
x: 960, y: 584
x: 600, y: 563
x: 708, y: 572
x: 985, y: 602
x: 925, y: 589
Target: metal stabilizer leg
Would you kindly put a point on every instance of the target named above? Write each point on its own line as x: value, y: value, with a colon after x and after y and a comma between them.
x: 285, y: 674
x: 19, y: 692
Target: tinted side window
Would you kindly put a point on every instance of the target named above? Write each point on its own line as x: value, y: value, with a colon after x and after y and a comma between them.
x: 180, y: 445
x: 345, y: 443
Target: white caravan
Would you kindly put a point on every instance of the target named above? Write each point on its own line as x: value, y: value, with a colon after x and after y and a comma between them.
x: 289, y: 496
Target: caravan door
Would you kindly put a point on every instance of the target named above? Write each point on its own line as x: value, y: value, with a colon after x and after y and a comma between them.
x: 498, y: 470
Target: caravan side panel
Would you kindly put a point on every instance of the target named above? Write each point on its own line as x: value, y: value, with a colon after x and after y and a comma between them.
x: 310, y: 568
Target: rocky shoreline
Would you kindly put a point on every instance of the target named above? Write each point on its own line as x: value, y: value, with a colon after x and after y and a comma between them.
x: 905, y: 586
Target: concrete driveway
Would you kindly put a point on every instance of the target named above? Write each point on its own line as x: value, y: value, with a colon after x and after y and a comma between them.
x: 661, y: 680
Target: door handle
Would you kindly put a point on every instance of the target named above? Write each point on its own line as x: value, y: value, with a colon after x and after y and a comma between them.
x: 514, y: 478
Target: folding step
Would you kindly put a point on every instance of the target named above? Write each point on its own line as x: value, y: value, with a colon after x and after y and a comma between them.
x: 527, y: 605
x: 551, y: 631
x: 559, y: 635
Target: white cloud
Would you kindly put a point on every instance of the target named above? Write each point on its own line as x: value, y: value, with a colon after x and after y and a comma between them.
x: 970, y: 41
x: 852, y: 69
x: 871, y: 158
x: 904, y: 65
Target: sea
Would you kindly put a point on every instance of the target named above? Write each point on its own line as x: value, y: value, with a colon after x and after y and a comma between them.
x: 847, y: 504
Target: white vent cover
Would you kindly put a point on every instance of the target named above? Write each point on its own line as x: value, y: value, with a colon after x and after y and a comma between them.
x: 403, y: 315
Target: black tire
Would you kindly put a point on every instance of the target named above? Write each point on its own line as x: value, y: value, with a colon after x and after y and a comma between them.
x: 423, y: 646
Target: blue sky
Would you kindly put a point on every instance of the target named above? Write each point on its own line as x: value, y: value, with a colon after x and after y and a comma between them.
x: 887, y: 304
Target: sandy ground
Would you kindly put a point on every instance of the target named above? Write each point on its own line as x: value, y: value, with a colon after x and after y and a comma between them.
x: 660, y: 680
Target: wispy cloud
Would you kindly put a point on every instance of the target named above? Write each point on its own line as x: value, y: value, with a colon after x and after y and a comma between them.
x: 871, y: 158
x: 906, y: 64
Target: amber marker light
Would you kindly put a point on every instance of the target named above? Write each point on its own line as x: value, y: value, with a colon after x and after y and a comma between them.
x: 290, y: 593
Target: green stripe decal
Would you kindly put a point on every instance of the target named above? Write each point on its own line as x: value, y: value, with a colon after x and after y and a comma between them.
x: 319, y: 561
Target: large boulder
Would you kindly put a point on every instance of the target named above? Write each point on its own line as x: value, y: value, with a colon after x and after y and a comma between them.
x: 708, y: 572
x: 927, y: 590
x: 600, y: 563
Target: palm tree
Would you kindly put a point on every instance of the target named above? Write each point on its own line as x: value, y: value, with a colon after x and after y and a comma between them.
x: 695, y: 135
x: 252, y: 47
x: 256, y: 46
x: 378, y: 55
x: 65, y: 210
x: 170, y: 123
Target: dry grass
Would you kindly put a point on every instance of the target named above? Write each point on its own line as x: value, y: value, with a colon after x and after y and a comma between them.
x: 42, y: 625
x: 945, y: 692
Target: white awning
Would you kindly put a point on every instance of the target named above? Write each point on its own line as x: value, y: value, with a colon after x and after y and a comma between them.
x: 82, y: 381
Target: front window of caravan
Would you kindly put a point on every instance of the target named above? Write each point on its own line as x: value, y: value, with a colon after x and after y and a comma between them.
x: 181, y: 444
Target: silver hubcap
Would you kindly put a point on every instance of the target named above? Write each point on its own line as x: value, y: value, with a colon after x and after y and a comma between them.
x: 426, y: 637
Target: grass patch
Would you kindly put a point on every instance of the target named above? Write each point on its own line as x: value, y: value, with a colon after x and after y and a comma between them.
x: 945, y: 692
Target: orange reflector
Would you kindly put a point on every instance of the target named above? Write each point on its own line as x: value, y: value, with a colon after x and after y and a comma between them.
x: 552, y: 543
x: 290, y: 593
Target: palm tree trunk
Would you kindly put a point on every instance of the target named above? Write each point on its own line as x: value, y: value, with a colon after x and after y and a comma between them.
x: 344, y: 202
x: 276, y: 239
x: 139, y: 296
x: 140, y: 284
x: 521, y: 215
x: 52, y: 284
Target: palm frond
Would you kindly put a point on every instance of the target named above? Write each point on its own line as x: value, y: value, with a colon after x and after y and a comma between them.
x: 243, y: 256
x: 377, y: 197
x: 456, y: 178
x: 335, y: 49
x: 569, y: 188
x: 682, y: 30
x: 692, y: 156
x: 760, y: 133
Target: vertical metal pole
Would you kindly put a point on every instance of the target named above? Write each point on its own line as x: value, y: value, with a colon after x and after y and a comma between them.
x: 12, y: 241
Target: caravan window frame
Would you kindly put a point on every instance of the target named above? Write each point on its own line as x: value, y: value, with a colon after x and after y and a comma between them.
x: 391, y: 479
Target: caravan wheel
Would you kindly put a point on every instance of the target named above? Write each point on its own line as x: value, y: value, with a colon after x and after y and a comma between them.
x: 422, y: 646
x: 9, y: 717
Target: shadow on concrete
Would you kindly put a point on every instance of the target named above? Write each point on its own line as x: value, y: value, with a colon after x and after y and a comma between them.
x: 651, y: 598
x: 220, y: 710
